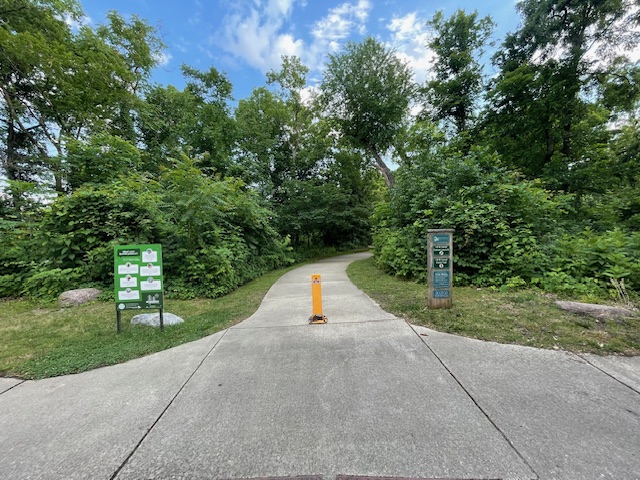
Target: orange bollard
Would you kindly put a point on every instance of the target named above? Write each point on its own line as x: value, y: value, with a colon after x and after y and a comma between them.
x: 316, y: 300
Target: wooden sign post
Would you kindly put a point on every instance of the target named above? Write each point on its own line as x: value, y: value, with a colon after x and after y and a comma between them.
x: 440, y: 282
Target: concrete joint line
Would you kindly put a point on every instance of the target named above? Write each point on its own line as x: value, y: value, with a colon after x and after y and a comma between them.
x: 328, y: 324
x: 498, y: 429
x: 135, y: 449
x: 607, y: 373
x: 11, y: 388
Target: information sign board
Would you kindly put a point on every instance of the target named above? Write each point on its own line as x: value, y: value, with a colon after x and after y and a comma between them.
x: 138, y: 277
x: 442, y: 262
x: 441, y: 279
x: 441, y: 238
x: 440, y: 267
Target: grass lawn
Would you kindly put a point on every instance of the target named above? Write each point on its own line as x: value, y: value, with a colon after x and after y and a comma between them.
x: 43, y: 340
x: 524, y: 317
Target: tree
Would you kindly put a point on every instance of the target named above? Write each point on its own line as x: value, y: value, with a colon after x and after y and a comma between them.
x: 315, y: 185
x: 292, y: 79
x: 458, y: 43
x: 262, y: 151
x: 31, y: 34
x: 366, y: 90
x: 57, y: 85
x: 556, y: 73
x: 197, y: 119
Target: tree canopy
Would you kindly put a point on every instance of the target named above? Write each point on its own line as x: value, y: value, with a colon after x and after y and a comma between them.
x: 537, y: 168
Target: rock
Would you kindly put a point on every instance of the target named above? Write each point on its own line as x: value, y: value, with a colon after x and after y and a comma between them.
x: 71, y: 298
x: 153, y: 319
x: 597, y: 311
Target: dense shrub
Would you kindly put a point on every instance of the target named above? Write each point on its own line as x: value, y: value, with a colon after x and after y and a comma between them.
x: 509, y: 232
x: 215, y: 235
x: 16, y: 255
x: 593, y: 259
x: 221, y: 236
x: 503, y: 224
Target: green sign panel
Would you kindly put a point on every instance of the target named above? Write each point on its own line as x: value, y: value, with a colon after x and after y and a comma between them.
x: 441, y: 293
x: 441, y: 262
x: 138, y: 276
x: 441, y: 279
x: 441, y: 250
x: 441, y: 238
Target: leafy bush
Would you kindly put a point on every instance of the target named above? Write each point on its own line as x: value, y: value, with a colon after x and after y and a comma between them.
x: 221, y: 237
x: 16, y: 255
x: 78, y: 227
x: 215, y: 235
x: 593, y: 259
x: 503, y: 224
x: 508, y: 232
x: 49, y: 283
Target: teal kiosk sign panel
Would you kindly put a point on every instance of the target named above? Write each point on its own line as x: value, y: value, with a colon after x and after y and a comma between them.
x: 440, y: 267
x: 138, y: 278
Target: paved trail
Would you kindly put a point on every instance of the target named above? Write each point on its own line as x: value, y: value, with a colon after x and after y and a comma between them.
x: 365, y: 394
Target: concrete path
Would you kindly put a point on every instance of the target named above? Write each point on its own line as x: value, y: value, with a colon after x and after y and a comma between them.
x: 365, y: 394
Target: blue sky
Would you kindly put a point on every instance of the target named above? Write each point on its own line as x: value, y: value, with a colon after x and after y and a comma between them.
x: 246, y: 38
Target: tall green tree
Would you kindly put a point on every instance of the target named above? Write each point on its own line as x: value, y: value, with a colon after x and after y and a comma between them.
x: 366, y: 91
x: 197, y: 119
x: 59, y: 85
x: 261, y: 142
x: 316, y: 185
x: 292, y: 79
x: 554, y: 70
x: 458, y: 43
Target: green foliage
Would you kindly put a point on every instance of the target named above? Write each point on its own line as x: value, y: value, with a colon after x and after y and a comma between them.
x: 458, y: 42
x: 220, y: 236
x: 366, y: 90
x: 195, y: 119
x: 594, y: 258
x: 509, y: 232
x: 502, y: 222
x: 550, y: 105
x: 101, y: 159
x: 47, y: 284
x: 61, y: 85
x: 95, y: 216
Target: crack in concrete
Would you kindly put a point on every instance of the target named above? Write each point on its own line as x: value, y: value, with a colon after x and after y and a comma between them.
x: 146, y: 434
x: 329, y: 324
x: 12, y: 387
x: 607, y: 373
x: 482, y: 410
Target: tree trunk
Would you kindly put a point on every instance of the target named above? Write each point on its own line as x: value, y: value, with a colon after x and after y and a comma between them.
x: 10, y: 164
x: 382, y: 168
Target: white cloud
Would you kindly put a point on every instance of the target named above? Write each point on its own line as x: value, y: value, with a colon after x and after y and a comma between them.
x: 330, y: 32
x: 341, y: 21
x: 410, y: 37
x: 278, y: 8
x: 163, y: 58
x: 258, y: 37
x: 76, y: 24
x: 257, y: 33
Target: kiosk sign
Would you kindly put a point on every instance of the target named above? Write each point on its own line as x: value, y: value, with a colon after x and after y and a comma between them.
x: 440, y: 267
x: 138, y: 277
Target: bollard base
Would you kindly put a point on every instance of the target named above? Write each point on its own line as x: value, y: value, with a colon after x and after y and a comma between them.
x: 313, y: 319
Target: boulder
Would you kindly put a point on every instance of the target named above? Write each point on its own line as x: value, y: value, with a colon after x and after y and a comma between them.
x: 596, y: 311
x: 71, y: 298
x: 153, y: 319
